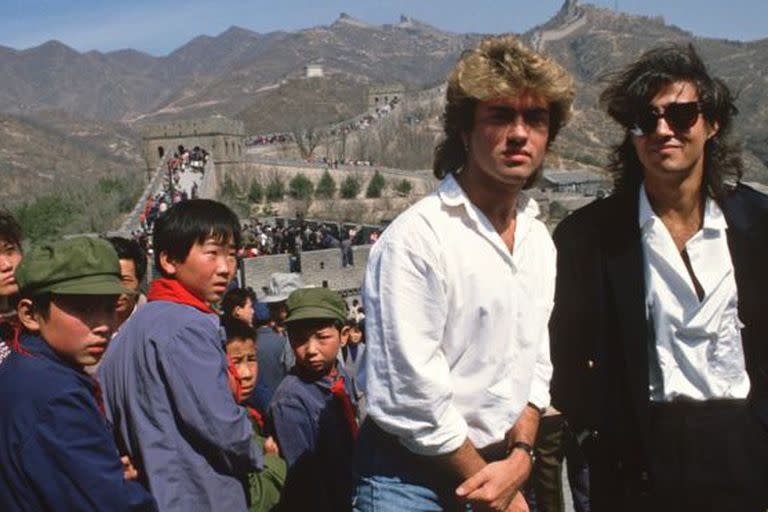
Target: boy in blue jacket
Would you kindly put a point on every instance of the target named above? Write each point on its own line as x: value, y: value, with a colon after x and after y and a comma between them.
x: 165, y: 373
x: 312, y: 413
x: 56, y: 449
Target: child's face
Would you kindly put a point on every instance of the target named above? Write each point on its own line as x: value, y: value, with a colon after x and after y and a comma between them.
x: 355, y: 335
x: 316, y: 344
x: 79, y: 327
x: 10, y: 256
x: 244, y: 313
x: 242, y: 353
x: 207, y: 270
x: 128, y: 279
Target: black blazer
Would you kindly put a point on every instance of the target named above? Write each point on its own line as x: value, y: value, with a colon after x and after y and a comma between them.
x: 599, y: 332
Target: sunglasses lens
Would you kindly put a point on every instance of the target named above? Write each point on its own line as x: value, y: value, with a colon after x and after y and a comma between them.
x: 681, y: 116
x: 646, y: 121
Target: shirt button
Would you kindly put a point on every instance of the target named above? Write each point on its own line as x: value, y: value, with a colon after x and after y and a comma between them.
x: 644, y: 476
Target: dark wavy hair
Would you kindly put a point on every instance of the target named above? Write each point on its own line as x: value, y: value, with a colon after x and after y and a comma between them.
x: 500, y: 66
x: 633, y: 88
x: 10, y: 230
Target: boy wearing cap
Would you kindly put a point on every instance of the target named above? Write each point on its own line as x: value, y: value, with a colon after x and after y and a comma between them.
x: 56, y: 449
x: 312, y: 413
x: 165, y: 374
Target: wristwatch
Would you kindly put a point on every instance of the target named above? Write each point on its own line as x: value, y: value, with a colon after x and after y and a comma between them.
x: 522, y: 445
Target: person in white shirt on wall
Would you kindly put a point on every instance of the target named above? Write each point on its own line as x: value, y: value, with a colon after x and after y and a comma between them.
x: 659, y: 329
x: 458, y: 292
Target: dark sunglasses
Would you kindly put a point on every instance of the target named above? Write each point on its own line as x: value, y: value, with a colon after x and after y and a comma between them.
x: 679, y: 116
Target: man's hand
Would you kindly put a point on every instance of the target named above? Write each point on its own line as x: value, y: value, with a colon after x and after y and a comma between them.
x: 495, y: 487
x: 129, y: 472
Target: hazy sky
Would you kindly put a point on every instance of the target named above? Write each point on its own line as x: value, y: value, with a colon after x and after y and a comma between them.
x: 160, y: 26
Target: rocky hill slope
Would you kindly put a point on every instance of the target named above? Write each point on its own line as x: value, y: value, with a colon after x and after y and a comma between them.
x: 259, y: 78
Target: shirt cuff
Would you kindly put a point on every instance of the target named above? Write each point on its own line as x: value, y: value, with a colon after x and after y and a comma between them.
x: 539, y: 395
x: 448, y: 437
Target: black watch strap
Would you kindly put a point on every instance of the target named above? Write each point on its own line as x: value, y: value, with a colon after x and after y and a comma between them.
x: 522, y: 445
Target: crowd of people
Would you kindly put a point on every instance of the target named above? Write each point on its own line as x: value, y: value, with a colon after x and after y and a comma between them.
x: 484, y: 350
x: 185, y: 169
x: 360, y: 123
x: 261, y: 238
x: 186, y: 159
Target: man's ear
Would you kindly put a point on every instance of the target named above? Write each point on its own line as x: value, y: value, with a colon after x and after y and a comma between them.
x: 27, y: 316
x: 167, y: 264
x: 713, y: 129
x: 345, y: 335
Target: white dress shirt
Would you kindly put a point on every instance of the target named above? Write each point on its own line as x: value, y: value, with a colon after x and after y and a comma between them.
x: 695, y: 350
x: 456, y: 325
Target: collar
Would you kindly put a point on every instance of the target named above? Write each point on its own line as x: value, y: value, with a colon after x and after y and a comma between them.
x: 173, y: 291
x: 36, y: 346
x: 714, y: 220
x: 326, y: 381
x: 451, y: 194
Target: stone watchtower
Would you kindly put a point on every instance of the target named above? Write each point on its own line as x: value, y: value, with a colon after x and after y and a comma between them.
x: 223, y: 138
x: 382, y: 95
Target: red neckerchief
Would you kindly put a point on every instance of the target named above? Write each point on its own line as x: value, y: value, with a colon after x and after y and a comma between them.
x: 340, y: 392
x: 15, y: 327
x: 234, y: 378
x: 99, y: 396
x: 253, y: 413
x: 173, y: 291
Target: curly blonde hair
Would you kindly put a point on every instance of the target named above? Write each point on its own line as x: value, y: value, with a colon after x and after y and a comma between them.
x: 500, y: 66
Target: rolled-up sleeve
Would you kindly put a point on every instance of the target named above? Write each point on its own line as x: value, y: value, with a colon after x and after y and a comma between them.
x: 407, y: 378
x: 196, y: 376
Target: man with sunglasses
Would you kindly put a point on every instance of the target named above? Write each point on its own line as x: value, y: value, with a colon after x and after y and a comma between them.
x: 659, y: 329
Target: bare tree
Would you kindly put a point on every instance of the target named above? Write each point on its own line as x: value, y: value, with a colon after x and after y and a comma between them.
x: 307, y: 138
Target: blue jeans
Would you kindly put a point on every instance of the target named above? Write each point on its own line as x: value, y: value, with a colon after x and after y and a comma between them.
x: 392, y: 479
x: 391, y: 494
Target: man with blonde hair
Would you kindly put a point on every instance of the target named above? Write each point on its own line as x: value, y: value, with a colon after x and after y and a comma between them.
x: 458, y: 293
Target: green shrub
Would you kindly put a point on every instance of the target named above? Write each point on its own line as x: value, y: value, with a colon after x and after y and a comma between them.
x: 375, y: 186
x: 275, y: 189
x: 403, y: 188
x: 326, y: 187
x: 350, y: 187
x: 301, y: 187
x: 255, y: 192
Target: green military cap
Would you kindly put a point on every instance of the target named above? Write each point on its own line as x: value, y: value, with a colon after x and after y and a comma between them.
x: 315, y: 303
x: 78, y: 266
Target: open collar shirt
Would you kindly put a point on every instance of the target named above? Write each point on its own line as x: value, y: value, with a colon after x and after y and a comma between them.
x: 696, y: 350
x: 456, y: 325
